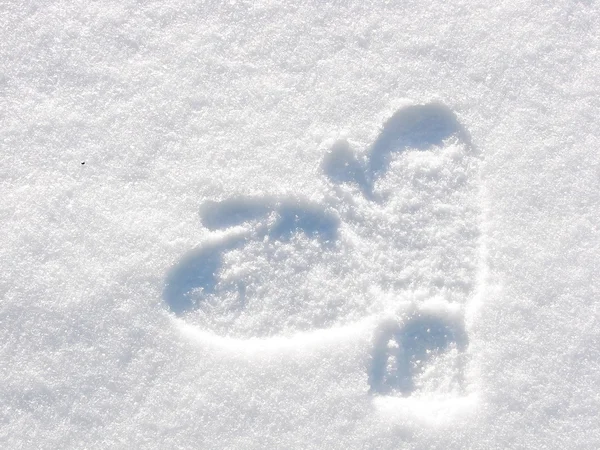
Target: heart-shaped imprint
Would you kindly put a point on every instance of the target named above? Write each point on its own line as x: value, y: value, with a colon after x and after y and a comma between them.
x: 396, y: 238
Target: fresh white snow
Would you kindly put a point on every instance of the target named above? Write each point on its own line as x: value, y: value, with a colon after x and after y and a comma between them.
x: 299, y: 225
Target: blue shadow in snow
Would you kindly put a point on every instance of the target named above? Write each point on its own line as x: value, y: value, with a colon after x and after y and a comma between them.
x: 277, y: 220
x: 197, y: 269
x: 412, y: 127
x: 289, y: 217
x: 401, y: 351
x: 219, y: 215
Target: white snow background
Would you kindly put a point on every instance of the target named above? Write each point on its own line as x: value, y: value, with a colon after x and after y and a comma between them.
x: 233, y: 268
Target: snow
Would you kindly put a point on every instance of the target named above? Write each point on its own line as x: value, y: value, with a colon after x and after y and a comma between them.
x: 299, y: 225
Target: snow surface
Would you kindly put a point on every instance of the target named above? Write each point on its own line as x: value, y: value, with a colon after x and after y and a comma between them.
x: 300, y: 225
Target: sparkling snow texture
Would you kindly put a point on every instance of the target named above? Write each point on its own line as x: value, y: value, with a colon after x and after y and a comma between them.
x: 299, y: 225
